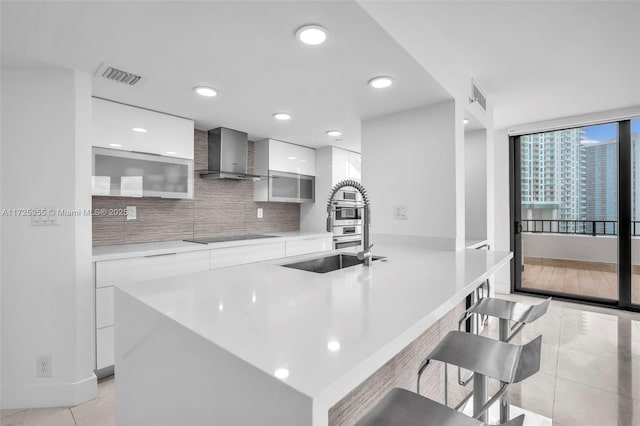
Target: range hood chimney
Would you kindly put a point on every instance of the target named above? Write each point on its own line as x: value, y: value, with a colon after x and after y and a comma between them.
x: 228, y: 152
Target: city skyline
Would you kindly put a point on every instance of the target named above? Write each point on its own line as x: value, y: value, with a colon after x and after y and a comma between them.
x: 571, y: 174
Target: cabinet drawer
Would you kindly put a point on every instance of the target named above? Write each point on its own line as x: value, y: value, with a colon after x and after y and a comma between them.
x: 310, y: 245
x: 105, y: 348
x: 230, y: 256
x: 104, y: 307
x: 123, y: 271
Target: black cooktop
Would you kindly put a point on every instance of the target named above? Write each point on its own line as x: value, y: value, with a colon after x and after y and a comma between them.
x: 229, y: 238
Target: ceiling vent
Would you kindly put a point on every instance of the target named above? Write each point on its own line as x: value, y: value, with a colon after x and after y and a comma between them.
x: 120, y: 76
x: 477, y: 96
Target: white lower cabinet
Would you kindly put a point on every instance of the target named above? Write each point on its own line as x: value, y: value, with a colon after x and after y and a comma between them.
x: 308, y: 245
x: 105, y: 352
x: 110, y: 273
x: 104, y: 307
x: 221, y: 258
x: 123, y: 271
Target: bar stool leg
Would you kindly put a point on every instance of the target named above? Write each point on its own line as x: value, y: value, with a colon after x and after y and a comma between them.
x: 479, y: 396
x: 504, y: 400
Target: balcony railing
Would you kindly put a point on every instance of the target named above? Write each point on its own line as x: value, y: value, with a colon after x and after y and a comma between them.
x: 579, y: 227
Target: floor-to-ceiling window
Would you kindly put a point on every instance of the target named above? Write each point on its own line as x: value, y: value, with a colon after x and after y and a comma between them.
x: 576, y: 212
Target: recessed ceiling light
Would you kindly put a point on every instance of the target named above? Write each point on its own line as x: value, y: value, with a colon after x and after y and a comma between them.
x: 380, y: 82
x: 281, y: 373
x: 312, y: 34
x: 291, y: 158
x: 171, y: 152
x: 333, y: 345
x: 281, y: 116
x: 466, y: 120
x: 334, y: 132
x: 139, y: 130
x: 205, y: 91
x: 115, y: 145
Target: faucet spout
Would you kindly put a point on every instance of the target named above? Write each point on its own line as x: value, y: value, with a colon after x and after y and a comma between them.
x: 365, y: 254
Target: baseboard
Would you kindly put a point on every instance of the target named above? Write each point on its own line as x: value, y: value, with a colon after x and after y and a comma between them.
x: 49, y: 394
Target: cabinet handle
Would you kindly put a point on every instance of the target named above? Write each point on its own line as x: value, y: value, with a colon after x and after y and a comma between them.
x: 163, y: 254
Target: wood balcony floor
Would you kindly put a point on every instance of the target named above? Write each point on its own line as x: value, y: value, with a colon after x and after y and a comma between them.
x: 582, y: 282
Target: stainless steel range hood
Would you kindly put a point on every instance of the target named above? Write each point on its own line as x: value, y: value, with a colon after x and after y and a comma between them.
x: 228, y: 152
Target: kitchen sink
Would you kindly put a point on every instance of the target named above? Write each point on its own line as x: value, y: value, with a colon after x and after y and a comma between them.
x: 326, y: 264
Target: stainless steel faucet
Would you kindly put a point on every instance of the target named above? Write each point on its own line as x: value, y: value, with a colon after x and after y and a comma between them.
x: 365, y: 254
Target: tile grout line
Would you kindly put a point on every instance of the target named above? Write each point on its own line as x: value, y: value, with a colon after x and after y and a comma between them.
x: 73, y: 417
x: 3, y: 419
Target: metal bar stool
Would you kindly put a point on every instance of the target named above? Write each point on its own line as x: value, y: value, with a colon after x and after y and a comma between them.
x: 485, y: 357
x: 506, y: 311
x: 401, y: 407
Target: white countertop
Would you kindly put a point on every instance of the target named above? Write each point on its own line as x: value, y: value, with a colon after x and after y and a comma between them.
x: 123, y: 251
x: 275, y: 317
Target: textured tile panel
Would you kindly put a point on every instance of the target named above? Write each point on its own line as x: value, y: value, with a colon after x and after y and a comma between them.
x: 400, y: 371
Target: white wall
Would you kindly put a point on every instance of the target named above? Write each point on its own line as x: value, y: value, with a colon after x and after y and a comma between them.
x: 409, y: 159
x: 46, y: 272
x: 499, y: 159
x: 475, y: 157
x: 574, y: 247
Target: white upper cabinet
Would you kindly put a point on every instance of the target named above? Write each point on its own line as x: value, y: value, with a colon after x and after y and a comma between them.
x: 345, y: 165
x: 339, y: 165
x: 271, y: 154
x: 127, y: 128
x: 354, y: 166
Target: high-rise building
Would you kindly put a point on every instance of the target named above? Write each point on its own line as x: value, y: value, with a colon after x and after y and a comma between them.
x: 567, y: 177
x: 601, y: 195
x: 552, y: 170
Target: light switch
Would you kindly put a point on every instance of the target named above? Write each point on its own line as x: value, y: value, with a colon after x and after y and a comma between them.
x: 132, y: 213
x: 400, y: 212
x: 45, y: 217
x: 260, y: 213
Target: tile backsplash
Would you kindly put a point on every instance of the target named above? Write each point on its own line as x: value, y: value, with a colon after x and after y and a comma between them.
x: 220, y: 207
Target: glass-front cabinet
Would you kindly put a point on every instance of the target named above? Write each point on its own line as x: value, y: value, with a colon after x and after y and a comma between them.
x: 133, y: 174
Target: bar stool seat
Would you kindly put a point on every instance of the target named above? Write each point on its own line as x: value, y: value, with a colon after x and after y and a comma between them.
x: 401, y: 407
x: 521, y: 313
x: 486, y: 357
x: 493, y: 358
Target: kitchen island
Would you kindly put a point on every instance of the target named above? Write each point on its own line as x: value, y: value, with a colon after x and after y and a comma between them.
x: 266, y: 344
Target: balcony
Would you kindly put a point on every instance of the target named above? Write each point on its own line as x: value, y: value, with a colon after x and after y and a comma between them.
x: 576, y: 257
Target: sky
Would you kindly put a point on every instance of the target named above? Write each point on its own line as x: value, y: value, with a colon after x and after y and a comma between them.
x: 603, y: 132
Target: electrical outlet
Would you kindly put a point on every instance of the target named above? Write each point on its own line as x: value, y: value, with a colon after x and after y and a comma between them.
x: 260, y: 213
x: 44, y: 366
x: 132, y: 213
x: 400, y: 212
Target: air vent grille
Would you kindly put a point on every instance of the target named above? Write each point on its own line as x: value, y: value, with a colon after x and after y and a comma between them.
x: 120, y: 76
x: 478, y: 96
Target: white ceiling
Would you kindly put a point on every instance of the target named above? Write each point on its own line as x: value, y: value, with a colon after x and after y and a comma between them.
x: 537, y: 60
x: 246, y: 50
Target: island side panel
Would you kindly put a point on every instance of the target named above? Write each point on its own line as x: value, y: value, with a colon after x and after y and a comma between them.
x: 168, y: 375
x: 402, y: 371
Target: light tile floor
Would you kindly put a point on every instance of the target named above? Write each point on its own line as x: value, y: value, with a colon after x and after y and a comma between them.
x: 589, y: 375
x: 97, y: 412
